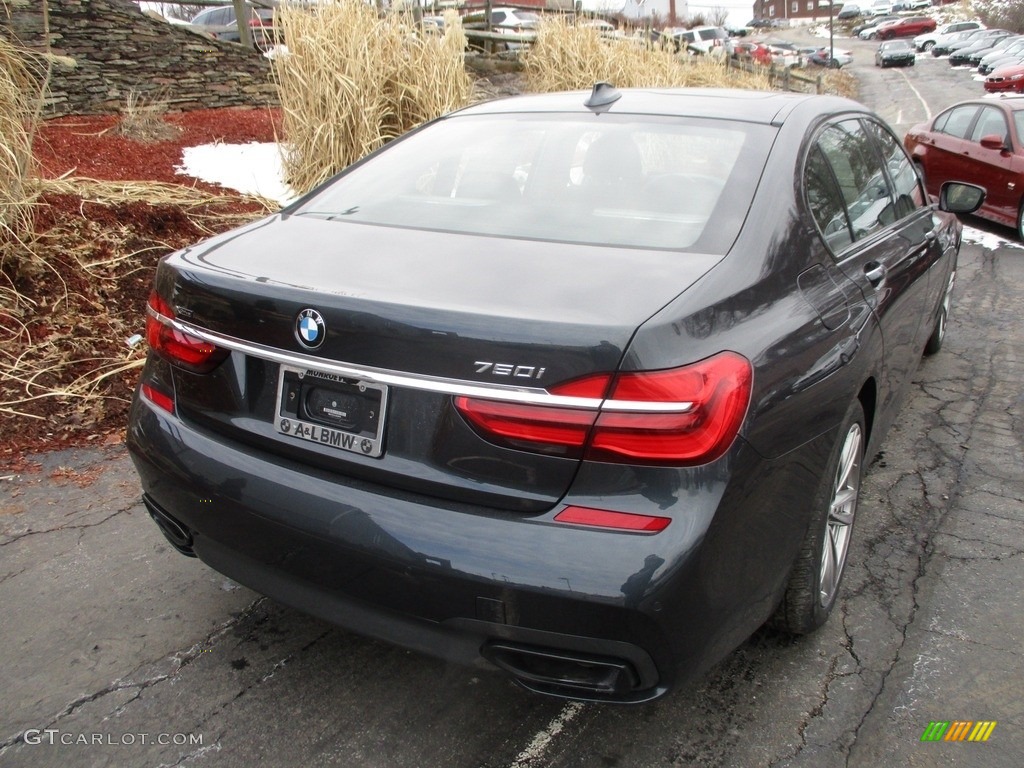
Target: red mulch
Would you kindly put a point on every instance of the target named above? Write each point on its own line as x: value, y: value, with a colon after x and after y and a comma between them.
x: 90, y: 145
x: 89, y: 315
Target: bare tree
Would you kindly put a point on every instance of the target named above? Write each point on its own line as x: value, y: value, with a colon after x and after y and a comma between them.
x: 181, y: 11
x: 1008, y: 14
x: 717, y: 16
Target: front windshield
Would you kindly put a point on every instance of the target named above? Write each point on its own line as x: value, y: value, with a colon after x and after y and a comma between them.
x: 649, y: 182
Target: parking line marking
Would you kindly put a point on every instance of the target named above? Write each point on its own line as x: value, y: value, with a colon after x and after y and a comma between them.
x: 533, y: 754
x: 927, y: 111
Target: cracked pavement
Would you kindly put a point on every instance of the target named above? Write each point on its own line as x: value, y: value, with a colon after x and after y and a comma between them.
x: 109, y: 633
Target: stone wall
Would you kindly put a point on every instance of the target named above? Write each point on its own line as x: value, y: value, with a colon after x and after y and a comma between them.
x: 102, y: 50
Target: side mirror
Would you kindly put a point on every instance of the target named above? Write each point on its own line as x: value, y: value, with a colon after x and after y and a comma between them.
x: 992, y: 141
x: 958, y: 197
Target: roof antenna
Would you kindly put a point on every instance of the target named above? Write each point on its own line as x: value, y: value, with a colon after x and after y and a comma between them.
x: 602, y: 95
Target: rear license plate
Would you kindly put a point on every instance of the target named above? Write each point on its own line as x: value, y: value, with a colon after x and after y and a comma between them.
x: 331, y: 410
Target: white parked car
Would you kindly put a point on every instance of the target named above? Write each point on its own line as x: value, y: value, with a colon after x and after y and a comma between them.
x: 928, y: 40
x: 784, y: 54
x: 911, y: 5
x: 506, y: 21
x: 704, y: 40
x: 879, y: 8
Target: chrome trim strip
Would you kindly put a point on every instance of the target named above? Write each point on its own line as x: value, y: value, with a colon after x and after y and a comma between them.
x: 622, y: 406
x: 503, y: 392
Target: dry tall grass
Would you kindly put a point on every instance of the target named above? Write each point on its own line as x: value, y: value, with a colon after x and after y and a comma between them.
x: 142, y: 118
x: 18, y: 117
x: 566, y: 57
x: 351, y: 80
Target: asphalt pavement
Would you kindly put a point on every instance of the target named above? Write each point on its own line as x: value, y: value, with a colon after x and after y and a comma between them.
x: 115, y: 650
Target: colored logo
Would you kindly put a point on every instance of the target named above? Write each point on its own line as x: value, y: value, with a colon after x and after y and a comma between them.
x: 958, y: 730
x: 310, y: 329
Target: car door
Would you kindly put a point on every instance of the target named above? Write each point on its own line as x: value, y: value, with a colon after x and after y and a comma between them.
x: 993, y: 168
x: 946, y: 146
x: 883, y: 239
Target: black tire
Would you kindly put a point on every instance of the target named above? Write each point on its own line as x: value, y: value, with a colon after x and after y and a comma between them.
x: 934, y: 343
x: 814, y: 581
x: 1020, y: 218
x: 928, y: 46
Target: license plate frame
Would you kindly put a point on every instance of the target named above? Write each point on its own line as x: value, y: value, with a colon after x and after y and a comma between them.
x: 308, y: 399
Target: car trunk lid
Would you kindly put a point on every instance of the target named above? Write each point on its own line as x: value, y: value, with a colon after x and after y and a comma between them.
x: 494, y: 313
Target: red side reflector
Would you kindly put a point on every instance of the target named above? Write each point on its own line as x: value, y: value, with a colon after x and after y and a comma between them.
x: 622, y: 521
x: 158, y: 398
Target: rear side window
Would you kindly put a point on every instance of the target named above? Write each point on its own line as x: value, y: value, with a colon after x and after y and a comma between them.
x: 825, y: 200
x: 713, y: 34
x: 858, y: 180
x: 905, y: 181
x: 956, y: 121
x: 663, y: 183
x: 862, y: 183
x: 223, y: 16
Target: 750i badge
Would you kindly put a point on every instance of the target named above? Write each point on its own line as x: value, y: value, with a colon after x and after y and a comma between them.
x: 323, y: 408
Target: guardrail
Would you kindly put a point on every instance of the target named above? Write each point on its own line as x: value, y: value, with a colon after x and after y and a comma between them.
x: 784, y: 78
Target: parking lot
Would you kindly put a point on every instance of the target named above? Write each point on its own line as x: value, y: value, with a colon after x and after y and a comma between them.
x: 119, y: 651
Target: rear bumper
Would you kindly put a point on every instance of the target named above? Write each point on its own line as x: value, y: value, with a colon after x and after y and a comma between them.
x: 572, y: 612
x: 547, y: 662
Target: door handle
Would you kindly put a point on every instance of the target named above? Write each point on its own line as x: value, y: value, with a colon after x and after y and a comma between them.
x: 874, y: 272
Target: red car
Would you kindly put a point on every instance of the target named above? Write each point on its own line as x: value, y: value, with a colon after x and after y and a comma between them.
x: 1006, y: 79
x: 978, y: 142
x: 908, y: 27
x: 754, y: 51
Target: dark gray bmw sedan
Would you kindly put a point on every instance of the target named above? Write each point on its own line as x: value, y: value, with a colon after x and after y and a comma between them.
x: 579, y: 386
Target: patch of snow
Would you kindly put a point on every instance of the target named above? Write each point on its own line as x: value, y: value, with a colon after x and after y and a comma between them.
x: 988, y: 240
x: 253, y: 169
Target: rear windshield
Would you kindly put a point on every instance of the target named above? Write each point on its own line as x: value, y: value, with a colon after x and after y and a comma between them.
x: 664, y: 183
x: 713, y: 34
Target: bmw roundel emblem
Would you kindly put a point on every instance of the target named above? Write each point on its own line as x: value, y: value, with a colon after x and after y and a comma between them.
x: 310, y: 329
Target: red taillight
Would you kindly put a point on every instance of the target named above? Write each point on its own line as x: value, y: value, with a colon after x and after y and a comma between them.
x: 682, y: 416
x: 718, y: 390
x: 619, y: 521
x: 541, y: 428
x: 177, y: 347
x: 158, y: 398
x: 561, y: 431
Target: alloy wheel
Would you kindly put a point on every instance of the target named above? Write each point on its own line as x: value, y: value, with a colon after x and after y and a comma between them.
x: 842, y: 510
